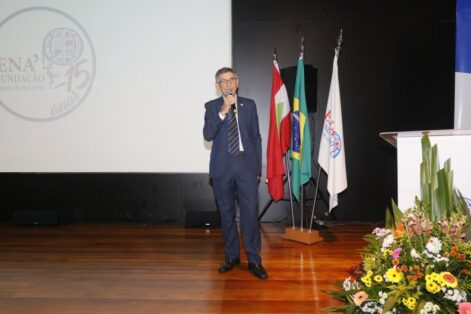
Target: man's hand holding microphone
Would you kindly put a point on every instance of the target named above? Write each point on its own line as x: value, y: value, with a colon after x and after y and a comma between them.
x: 229, y: 104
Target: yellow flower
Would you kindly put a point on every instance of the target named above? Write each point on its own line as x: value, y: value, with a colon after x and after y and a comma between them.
x: 410, y: 302
x: 359, y: 297
x: 387, y: 252
x: 448, y: 279
x: 393, y: 275
x: 378, y: 278
x: 441, y: 282
x: 437, y: 278
x: 366, y: 277
x: 366, y: 280
x: 432, y: 287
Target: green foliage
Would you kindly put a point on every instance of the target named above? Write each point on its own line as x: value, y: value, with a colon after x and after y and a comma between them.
x: 393, y: 216
x: 439, y: 198
x: 421, y: 261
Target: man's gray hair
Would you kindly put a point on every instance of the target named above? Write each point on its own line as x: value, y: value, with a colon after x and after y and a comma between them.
x: 224, y: 70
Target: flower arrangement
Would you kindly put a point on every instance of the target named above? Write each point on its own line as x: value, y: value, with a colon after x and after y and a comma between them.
x: 420, y: 262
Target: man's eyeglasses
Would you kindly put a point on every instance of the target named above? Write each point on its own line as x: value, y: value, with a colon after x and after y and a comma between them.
x: 230, y: 81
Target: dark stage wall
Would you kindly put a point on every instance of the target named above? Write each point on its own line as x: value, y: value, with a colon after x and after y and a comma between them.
x: 396, y: 73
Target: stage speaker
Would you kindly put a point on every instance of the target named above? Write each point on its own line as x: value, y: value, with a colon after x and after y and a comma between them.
x: 202, y: 219
x: 37, y: 217
x: 310, y: 83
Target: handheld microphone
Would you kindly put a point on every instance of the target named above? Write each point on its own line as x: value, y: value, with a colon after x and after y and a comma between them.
x: 233, y: 105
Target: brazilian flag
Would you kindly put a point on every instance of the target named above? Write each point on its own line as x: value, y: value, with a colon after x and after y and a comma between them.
x: 301, y: 136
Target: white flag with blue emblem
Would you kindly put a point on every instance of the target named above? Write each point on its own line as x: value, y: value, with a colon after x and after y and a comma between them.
x: 332, y: 151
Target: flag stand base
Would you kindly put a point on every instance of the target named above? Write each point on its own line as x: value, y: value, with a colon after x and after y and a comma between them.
x: 302, y: 235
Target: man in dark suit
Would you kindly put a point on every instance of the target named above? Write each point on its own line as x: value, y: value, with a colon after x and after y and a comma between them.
x: 231, y: 122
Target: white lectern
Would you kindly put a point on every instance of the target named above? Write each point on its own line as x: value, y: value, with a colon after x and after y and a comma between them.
x: 454, y: 144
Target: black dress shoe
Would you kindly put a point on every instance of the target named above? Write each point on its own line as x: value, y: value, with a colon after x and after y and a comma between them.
x: 228, y: 264
x: 258, y: 271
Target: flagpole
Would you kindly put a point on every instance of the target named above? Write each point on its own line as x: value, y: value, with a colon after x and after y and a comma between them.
x: 339, y: 42
x: 301, y: 204
x: 337, y: 52
x: 301, y: 48
x: 289, y: 189
x: 315, y: 198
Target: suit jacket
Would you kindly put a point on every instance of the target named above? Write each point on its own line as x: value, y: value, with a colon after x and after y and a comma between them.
x: 215, y: 130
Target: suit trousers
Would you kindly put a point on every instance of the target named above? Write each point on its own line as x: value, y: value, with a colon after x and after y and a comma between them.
x: 240, y: 184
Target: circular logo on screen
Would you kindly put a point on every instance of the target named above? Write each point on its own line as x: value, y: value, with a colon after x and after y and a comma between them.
x: 47, y: 64
x: 63, y: 46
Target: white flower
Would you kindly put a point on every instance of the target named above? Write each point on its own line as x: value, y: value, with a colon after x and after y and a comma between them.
x: 350, y: 284
x: 455, y: 295
x: 439, y: 258
x: 435, y: 257
x: 370, y: 307
x: 434, y: 245
x: 387, y: 242
x: 430, y: 308
x: 414, y: 254
x: 382, y: 297
x: 381, y: 232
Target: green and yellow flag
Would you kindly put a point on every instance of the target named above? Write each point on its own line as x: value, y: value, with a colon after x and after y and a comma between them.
x: 301, y: 136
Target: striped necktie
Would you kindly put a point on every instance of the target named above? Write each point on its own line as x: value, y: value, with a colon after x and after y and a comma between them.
x: 233, y: 134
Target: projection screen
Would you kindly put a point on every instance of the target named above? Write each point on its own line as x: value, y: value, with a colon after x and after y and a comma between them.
x: 110, y: 85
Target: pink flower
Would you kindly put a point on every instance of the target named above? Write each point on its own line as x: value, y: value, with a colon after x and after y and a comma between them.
x: 396, y: 253
x: 360, y: 297
x: 464, y: 308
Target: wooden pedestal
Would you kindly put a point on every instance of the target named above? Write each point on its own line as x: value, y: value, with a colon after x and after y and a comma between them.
x: 302, y: 235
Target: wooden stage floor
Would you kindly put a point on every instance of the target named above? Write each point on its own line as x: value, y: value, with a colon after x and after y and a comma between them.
x: 164, y: 268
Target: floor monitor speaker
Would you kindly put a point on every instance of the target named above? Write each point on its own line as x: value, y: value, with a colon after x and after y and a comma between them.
x: 202, y: 219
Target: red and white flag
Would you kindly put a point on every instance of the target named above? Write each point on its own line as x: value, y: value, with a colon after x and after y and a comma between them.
x: 279, y: 135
